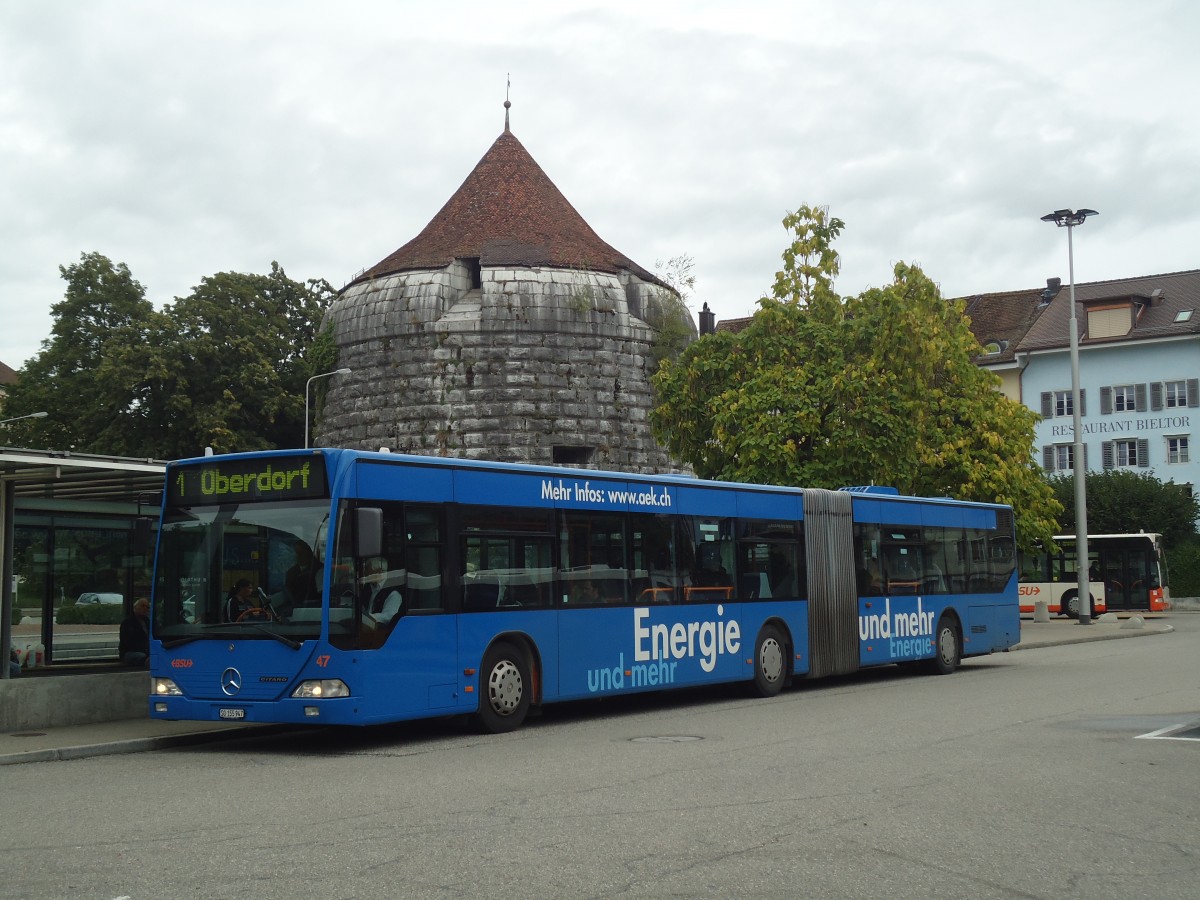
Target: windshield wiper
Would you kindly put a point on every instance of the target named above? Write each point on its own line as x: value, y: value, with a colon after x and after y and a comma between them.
x: 180, y: 641
x: 187, y: 639
x: 282, y: 638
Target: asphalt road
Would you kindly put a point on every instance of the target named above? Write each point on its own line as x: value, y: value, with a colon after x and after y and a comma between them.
x: 1024, y: 775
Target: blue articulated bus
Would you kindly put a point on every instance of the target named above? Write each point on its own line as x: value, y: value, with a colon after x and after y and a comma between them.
x: 346, y: 587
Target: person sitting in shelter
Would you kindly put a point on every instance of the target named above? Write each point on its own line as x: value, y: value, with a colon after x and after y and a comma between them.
x: 133, y: 648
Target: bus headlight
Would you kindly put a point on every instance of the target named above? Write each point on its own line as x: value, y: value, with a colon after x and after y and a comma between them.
x: 164, y: 687
x: 323, y: 689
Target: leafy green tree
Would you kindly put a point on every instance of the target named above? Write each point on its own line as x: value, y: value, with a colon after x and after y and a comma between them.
x: 824, y: 391
x: 1121, y: 501
x: 228, y: 364
x: 103, y: 311
x: 224, y: 367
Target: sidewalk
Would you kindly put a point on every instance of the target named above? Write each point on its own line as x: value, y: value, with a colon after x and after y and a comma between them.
x: 1060, y: 630
x: 136, y: 735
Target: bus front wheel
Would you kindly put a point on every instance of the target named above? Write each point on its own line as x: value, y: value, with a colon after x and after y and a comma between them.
x: 504, y: 689
x: 770, y: 662
x: 947, y: 647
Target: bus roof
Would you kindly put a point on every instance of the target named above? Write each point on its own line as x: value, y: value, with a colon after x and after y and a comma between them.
x: 873, y: 492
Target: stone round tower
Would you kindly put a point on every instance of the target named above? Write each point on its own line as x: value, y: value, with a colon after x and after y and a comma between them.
x: 506, y: 330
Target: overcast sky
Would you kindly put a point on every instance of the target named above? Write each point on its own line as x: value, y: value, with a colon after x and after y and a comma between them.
x: 186, y: 139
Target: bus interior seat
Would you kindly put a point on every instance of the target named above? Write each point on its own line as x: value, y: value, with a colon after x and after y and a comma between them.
x: 481, y: 596
x: 425, y: 598
x: 525, y: 595
x: 656, y: 595
x: 343, y: 594
x: 612, y: 590
x: 751, y: 585
x: 707, y: 594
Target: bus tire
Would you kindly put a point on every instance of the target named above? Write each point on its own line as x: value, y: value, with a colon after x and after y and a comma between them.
x: 1070, y: 605
x: 770, y: 662
x: 947, y: 647
x: 504, y: 689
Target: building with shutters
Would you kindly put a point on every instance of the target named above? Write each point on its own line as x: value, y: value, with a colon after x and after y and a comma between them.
x: 1139, y: 362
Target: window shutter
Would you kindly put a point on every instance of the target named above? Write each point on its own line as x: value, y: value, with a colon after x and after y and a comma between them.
x: 1085, y: 467
x: 1140, y: 391
x: 1156, y: 395
x: 1193, y: 389
x: 1048, y: 458
x: 1107, y: 448
x: 1143, y: 450
x: 1047, y: 405
x: 1082, y: 402
x: 1105, y: 401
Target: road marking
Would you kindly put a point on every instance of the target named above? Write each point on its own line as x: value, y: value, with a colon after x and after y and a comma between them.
x: 1172, y: 733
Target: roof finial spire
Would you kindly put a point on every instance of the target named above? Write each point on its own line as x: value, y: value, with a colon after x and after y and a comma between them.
x: 507, y: 104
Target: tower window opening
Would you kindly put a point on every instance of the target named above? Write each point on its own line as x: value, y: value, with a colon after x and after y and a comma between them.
x: 573, y: 456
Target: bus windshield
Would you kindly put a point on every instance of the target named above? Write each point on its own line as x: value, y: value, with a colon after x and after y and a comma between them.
x: 245, y: 570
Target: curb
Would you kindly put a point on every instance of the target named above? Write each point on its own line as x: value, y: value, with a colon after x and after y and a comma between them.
x: 137, y: 745
x: 1139, y: 632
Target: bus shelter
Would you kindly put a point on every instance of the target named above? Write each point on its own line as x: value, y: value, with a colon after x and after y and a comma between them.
x: 69, y: 534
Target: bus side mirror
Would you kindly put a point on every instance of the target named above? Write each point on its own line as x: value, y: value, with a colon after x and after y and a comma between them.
x: 141, y: 536
x: 368, y: 532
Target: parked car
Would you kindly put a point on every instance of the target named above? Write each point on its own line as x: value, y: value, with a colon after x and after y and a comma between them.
x: 95, y: 597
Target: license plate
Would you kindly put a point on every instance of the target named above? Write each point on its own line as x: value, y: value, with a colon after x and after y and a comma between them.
x: 233, y: 714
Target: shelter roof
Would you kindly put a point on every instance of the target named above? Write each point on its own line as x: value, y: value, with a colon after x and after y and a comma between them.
x: 61, y: 475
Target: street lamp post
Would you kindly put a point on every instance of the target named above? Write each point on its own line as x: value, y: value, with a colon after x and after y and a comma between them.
x: 36, y: 415
x: 307, y: 385
x: 1066, y: 218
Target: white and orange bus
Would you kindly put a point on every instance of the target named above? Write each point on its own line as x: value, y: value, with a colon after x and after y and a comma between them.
x: 1125, y: 572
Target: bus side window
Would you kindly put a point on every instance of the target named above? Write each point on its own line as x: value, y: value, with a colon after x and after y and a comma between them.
x: 709, y: 542
x: 903, y: 563
x: 592, y: 568
x: 653, y: 578
x: 868, y: 570
x: 769, y: 560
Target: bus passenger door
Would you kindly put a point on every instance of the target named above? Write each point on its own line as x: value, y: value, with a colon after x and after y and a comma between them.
x: 1127, y: 578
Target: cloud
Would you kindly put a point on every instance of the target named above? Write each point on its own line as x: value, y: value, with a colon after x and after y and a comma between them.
x: 186, y: 140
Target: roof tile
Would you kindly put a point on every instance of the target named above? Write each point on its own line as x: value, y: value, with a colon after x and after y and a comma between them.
x: 507, y: 212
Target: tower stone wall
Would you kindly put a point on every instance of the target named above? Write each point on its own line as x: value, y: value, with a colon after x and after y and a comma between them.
x: 532, y: 359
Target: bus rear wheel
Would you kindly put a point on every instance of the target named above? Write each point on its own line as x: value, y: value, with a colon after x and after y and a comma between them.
x: 770, y: 662
x: 1071, y: 607
x: 947, y: 647
x: 504, y: 688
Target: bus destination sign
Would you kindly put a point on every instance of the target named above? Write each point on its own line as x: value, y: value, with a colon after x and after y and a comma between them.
x: 260, y: 479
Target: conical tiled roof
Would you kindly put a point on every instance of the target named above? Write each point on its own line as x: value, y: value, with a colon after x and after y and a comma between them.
x: 507, y: 212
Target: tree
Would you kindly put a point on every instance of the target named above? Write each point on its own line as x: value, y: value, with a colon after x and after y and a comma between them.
x: 229, y: 363
x: 667, y: 311
x: 223, y: 367
x: 824, y: 391
x: 1120, y: 501
x: 103, y: 311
